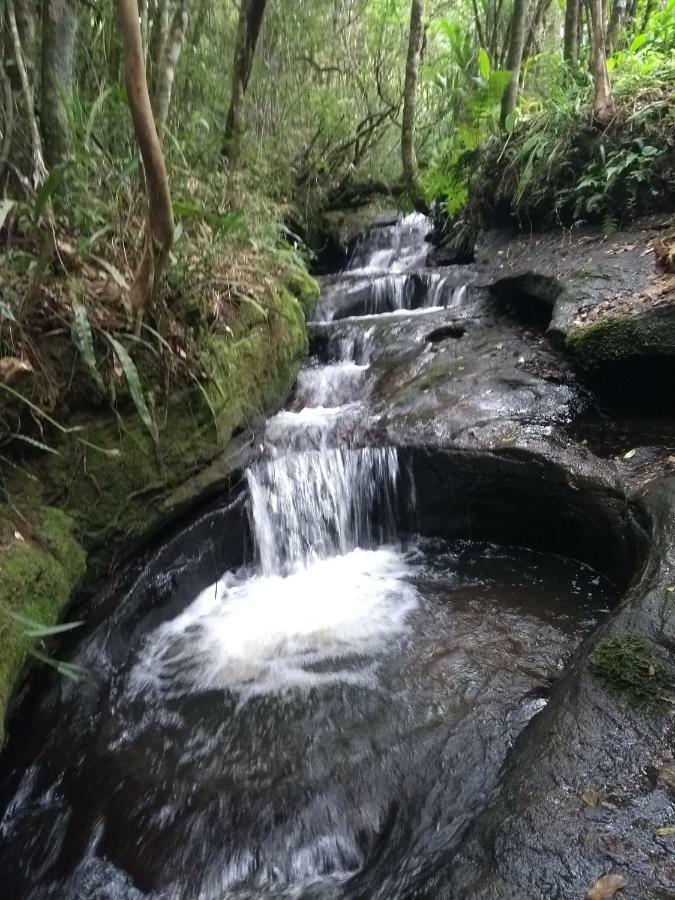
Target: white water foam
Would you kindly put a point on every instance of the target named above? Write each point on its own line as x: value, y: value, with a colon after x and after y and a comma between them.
x: 331, y: 385
x: 325, y: 623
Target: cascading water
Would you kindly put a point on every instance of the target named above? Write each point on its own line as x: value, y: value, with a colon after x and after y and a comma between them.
x: 323, y: 722
x: 398, y: 247
x: 317, y: 504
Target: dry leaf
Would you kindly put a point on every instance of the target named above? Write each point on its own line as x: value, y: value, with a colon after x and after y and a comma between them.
x: 666, y: 831
x: 590, y: 797
x: 12, y: 369
x: 630, y: 454
x: 606, y: 886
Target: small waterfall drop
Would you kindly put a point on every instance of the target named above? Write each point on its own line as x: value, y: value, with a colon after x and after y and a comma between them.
x: 320, y: 503
x: 398, y: 248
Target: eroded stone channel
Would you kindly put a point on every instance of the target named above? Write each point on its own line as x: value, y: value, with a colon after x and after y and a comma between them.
x: 311, y: 688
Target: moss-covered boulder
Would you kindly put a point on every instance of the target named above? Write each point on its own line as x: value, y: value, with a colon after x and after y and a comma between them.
x: 41, y: 561
x: 304, y: 288
x: 650, y: 334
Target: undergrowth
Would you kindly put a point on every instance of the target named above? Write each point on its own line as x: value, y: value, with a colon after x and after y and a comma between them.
x: 67, y: 258
x: 554, y: 166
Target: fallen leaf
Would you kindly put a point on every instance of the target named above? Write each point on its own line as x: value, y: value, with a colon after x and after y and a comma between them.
x: 666, y: 831
x: 499, y: 346
x: 12, y: 369
x: 630, y: 454
x: 19, y: 536
x: 590, y: 797
x: 606, y: 886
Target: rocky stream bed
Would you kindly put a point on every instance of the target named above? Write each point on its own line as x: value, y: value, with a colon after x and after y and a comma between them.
x: 417, y: 640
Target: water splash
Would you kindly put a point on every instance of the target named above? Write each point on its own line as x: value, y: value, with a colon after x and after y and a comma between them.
x: 269, y: 634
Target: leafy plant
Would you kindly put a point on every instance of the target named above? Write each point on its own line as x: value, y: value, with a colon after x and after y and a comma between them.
x: 34, y: 630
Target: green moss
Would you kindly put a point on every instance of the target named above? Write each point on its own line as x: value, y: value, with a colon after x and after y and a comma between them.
x: 628, y: 666
x: 649, y: 334
x: 38, y: 572
x: 246, y: 374
x: 304, y: 288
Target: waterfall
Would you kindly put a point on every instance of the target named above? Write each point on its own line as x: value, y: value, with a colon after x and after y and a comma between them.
x: 398, y: 247
x: 321, y: 503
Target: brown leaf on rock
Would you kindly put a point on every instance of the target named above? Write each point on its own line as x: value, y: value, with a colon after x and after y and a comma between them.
x: 13, y: 369
x: 605, y: 887
x: 590, y: 797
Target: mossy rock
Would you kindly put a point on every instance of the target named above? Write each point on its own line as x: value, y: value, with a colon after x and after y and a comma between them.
x: 630, y: 667
x: 650, y: 334
x: 118, y: 494
x: 41, y: 561
x: 304, y: 288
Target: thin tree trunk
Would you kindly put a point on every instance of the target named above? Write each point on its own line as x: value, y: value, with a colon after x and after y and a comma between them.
x: 535, y: 27
x: 479, y: 27
x: 143, y: 13
x: 8, y: 119
x: 59, y: 33
x: 615, y: 22
x: 39, y: 169
x: 571, y: 40
x: 515, y: 57
x: 251, y: 16
x: 158, y: 39
x: 167, y: 71
x: 603, y: 103
x: 413, y: 62
x: 649, y: 9
x: 160, y: 215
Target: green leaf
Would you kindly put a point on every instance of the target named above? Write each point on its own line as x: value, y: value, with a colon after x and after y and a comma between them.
x: 638, y: 41
x: 84, y: 341
x: 484, y: 64
x: 113, y: 271
x: 68, y: 670
x: 510, y: 122
x: 5, y: 209
x: 134, y: 382
x: 6, y: 312
x: 38, y: 629
x: 96, y: 108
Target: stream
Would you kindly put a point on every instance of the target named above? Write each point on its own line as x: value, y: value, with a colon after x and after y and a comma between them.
x: 315, y: 703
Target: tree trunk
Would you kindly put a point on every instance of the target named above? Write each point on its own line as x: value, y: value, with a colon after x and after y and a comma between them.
x: 571, y: 40
x: 59, y: 33
x: 536, y: 26
x: 649, y: 9
x: 158, y: 39
x: 603, y: 102
x: 167, y: 71
x: 615, y: 23
x: 412, y: 69
x: 515, y: 57
x: 250, y: 22
x: 160, y: 215
x: 39, y: 170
